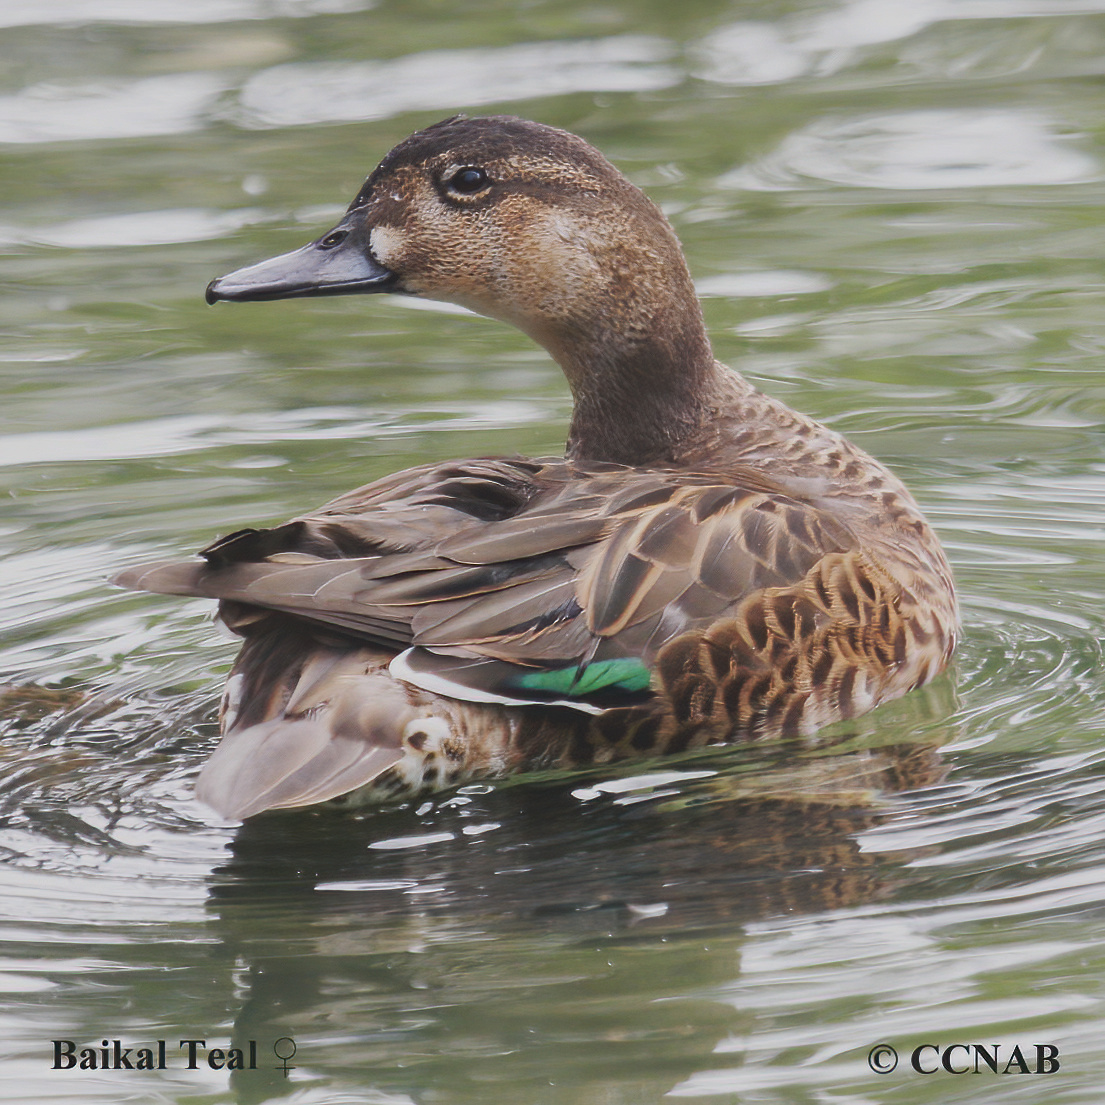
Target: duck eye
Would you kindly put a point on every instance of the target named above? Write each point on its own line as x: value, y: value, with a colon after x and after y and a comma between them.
x: 467, y: 181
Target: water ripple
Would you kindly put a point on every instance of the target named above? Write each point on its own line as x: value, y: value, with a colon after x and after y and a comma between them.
x: 937, y: 149
x: 823, y: 42
x: 326, y: 92
x: 163, y: 437
x: 16, y: 13
x: 170, y: 104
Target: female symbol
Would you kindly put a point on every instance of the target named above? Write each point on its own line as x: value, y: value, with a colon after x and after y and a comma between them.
x: 288, y: 1045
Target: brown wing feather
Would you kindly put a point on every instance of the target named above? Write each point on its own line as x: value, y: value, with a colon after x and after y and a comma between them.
x: 540, y: 562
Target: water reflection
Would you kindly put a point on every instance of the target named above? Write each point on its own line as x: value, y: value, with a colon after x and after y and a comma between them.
x: 685, y: 857
x: 557, y: 927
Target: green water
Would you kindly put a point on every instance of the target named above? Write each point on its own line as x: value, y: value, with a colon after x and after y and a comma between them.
x: 895, y: 211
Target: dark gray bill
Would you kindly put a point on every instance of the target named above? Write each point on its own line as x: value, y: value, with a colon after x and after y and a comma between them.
x: 338, y: 263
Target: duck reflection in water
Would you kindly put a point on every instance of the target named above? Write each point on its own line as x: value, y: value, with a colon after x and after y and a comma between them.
x: 540, y: 924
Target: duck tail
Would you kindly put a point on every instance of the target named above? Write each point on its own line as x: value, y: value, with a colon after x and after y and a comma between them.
x: 304, y: 722
x: 282, y: 764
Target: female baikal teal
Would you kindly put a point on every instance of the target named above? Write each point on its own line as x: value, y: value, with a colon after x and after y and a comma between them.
x: 703, y: 564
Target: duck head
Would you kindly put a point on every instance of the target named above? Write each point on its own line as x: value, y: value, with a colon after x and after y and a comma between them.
x: 530, y: 225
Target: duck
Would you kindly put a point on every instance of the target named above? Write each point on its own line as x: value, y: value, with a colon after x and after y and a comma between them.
x: 703, y: 565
